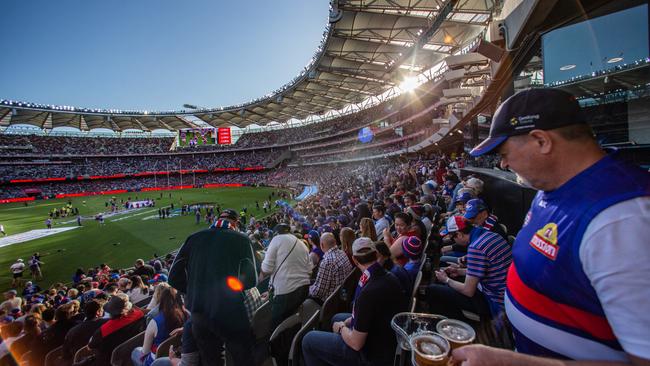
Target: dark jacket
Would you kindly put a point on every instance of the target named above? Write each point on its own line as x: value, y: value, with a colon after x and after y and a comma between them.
x: 79, y: 336
x: 113, y: 333
x: 145, y: 270
x: 200, y: 270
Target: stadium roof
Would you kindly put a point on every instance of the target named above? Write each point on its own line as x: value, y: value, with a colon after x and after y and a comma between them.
x: 368, y: 48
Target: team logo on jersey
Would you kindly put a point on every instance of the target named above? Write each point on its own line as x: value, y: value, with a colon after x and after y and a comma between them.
x: 545, y: 241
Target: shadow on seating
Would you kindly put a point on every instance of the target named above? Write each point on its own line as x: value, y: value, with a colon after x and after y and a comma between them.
x: 121, y: 355
x: 83, y: 353
x: 340, y: 301
x: 52, y: 358
x: 295, y: 354
x: 163, y: 348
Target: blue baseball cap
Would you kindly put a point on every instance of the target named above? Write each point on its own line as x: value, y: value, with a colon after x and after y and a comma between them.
x: 464, y: 198
x: 313, y: 235
x: 160, y: 277
x: 474, y: 207
x: 532, y: 109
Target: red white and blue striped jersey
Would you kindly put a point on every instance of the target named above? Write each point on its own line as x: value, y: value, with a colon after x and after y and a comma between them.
x: 488, y: 259
x: 551, y: 303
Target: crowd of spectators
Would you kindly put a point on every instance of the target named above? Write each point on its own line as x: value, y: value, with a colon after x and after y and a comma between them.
x: 403, y: 191
x: 99, y: 308
x: 66, y: 145
x: 135, y: 184
x: 129, y: 165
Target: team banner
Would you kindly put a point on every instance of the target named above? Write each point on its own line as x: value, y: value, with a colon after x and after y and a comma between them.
x: 197, y: 136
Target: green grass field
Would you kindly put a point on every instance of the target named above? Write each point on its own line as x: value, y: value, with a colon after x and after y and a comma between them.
x: 121, y: 240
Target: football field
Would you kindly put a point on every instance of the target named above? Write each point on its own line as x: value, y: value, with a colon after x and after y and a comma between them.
x: 123, y: 238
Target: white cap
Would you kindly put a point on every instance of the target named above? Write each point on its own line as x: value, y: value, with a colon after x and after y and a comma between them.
x: 361, y: 244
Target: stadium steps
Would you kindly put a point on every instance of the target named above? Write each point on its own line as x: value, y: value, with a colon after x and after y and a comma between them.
x: 286, y: 155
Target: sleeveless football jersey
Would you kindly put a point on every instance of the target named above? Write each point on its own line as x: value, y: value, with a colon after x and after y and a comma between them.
x: 553, y: 308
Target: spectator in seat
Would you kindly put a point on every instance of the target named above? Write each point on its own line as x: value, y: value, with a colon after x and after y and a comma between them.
x: 347, y: 237
x: 54, y: 335
x: 367, y: 229
x: 142, y: 269
x: 287, y: 264
x: 205, y: 269
x: 332, y: 271
x: 139, y: 291
x: 316, y: 253
x: 152, y: 307
x: 488, y: 259
x: 170, y: 317
x: 381, y: 222
x: 476, y: 212
x: 80, y: 334
x: 30, y: 338
x: 385, y: 258
x: 366, y: 336
x: 187, y: 355
x: 586, y: 233
x: 412, y: 248
x: 125, y: 322
x: 476, y: 185
x: 12, y: 301
x: 9, y: 333
x: 404, y: 227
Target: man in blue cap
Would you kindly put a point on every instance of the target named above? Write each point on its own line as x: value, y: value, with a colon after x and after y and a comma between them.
x: 581, y: 262
x: 477, y: 213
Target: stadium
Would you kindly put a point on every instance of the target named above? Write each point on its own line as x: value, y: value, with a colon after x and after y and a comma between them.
x: 445, y: 182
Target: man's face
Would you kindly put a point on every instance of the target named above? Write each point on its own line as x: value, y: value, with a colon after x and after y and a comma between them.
x: 460, y: 238
x: 518, y: 155
x: 408, y: 201
x: 376, y: 214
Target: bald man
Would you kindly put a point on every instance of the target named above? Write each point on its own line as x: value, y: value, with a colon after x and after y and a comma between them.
x: 333, y: 269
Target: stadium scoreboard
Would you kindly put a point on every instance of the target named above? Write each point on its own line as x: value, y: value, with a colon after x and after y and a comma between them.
x: 204, y: 136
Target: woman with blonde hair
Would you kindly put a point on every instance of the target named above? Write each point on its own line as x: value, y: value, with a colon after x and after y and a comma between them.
x: 139, y: 291
x: 347, y: 236
x: 367, y: 227
x: 155, y: 300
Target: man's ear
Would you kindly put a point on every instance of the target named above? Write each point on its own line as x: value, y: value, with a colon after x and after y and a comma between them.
x: 542, y: 140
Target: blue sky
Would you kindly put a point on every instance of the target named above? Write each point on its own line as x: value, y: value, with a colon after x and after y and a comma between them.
x: 154, y: 54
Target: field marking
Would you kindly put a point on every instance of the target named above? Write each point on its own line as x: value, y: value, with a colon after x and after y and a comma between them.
x: 31, y: 235
x: 23, y: 207
x: 130, y: 216
x: 109, y: 215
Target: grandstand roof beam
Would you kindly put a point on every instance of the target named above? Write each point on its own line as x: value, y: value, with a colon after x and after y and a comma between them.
x: 187, y: 122
x: 3, y: 115
x: 357, y: 74
x: 142, y: 126
x: 339, y: 85
x: 325, y: 95
x: 47, y: 121
x: 404, y: 34
x: 426, y: 35
x: 163, y: 123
